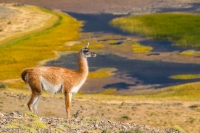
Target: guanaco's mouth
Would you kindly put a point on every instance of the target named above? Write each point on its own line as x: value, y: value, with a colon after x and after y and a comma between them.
x: 94, y: 54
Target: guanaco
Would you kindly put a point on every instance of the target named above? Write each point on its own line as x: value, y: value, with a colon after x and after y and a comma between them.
x: 53, y: 79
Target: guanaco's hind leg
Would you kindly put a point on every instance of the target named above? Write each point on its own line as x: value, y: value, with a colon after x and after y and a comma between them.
x: 35, y: 95
x: 68, y: 103
x: 33, y: 103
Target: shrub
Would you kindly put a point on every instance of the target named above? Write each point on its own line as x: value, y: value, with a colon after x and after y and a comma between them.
x: 126, y: 117
x: 3, y: 86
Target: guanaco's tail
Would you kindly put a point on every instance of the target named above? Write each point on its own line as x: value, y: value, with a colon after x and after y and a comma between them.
x: 24, y: 73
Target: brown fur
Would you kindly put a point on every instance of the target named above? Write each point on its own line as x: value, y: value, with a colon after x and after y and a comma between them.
x: 55, y: 78
x: 24, y: 74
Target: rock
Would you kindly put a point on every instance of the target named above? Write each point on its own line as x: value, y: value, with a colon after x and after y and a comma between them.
x: 96, y: 125
x: 1, y: 115
x: 74, y: 125
x: 16, y: 113
x: 24, y: 105
x: 124, y: 127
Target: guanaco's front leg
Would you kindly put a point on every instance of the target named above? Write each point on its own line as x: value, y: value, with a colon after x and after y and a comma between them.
x: 68, y: 103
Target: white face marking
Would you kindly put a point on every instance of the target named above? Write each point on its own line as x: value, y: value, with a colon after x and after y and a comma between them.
x: 49, y: 86
x: 76, y: 88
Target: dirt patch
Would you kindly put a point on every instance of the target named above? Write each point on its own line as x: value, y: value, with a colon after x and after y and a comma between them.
x: 16, y: 20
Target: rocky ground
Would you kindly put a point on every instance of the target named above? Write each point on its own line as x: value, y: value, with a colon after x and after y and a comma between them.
x: 17, y: 122
x: 132, y: 113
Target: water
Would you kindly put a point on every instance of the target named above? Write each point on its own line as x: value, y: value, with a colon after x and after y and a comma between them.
x: 146, y: 72
x: 100, y: 23
x: 154, y: 73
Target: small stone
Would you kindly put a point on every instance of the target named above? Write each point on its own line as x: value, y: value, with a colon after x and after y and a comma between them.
x: 24, y: 105
x: 1, y: 115
x: 17, y: 113
x: 124, y: 127
x: 2, y: 121
x: 96, y: 125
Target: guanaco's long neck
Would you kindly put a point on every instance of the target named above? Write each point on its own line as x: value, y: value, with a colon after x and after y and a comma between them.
x: 82, y: 65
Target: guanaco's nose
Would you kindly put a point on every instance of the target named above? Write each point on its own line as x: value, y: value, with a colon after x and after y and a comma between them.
x: 94, y: 54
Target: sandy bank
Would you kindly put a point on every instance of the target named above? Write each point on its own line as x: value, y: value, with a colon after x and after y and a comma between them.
x: 19, y: 20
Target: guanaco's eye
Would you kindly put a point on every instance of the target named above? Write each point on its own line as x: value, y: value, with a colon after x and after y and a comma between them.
x: 86, y: 50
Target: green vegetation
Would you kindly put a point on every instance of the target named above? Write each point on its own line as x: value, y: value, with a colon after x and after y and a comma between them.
x: 186, y: 76
x: 177, y: 128
x: 32, y: 124
x: 29, y: 50
x: 182, y: 29
x: 113, y: 42
x: 188, y: 91
x: 185, y: 91
x: 62, y: 28
x: 109, y: 91
x: 141, y: 48
x: 77, y: 47
x: 102, y: 73
x: 190, y: 53
x: 125, y: 117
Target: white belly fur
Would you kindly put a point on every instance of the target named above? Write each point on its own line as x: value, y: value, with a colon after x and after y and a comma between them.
x: 76, y: 88
x: 49, y: 86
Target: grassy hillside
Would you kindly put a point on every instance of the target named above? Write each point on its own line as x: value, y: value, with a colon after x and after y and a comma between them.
x: 182, y: 29
x: 28, y: 50
x: 189, y: 91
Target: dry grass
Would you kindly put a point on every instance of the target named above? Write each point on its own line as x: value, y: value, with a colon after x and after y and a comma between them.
x: 156, y: 113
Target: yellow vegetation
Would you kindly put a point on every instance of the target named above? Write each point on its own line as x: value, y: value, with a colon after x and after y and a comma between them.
x: 109, y: 91
x: 141, y: 48
x: 185, y: 91
x: 102, y: 73
x: 113, y: 42
x: 29, y: 50
x: 190, y: 53
x: 185, y: 76
x: 77, y: 47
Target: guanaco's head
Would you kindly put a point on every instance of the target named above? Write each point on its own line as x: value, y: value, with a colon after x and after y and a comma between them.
x: 86, y: 52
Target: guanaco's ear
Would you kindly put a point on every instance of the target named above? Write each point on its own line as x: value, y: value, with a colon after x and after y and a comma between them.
x: 87, y: 45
